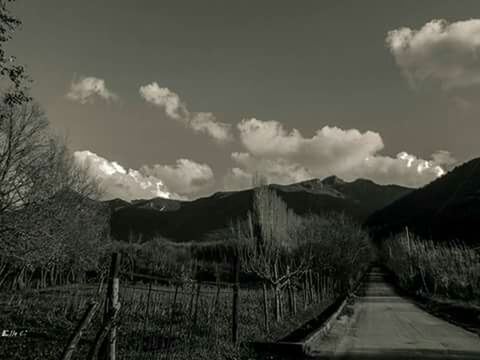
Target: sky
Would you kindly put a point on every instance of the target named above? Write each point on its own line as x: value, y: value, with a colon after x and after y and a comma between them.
x: 184, y: 98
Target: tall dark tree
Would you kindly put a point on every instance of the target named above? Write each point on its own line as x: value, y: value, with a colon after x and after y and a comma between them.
x: 14, y: 79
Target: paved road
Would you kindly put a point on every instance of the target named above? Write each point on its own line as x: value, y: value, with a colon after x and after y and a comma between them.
x: 387, y: 326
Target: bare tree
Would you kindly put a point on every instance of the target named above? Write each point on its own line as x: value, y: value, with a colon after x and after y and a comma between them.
x: 48, y: 219
x: 341, y: 246
x: 267, y: 243
x: 24, y: 148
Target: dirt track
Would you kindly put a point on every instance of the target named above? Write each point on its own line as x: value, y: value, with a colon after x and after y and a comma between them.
x: 387, y: 326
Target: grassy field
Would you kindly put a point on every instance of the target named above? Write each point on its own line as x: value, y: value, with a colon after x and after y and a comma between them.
x: 49, y: 316
x: 155, y: 322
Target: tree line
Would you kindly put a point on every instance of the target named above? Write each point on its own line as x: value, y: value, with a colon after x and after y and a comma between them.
x: 51, y: 230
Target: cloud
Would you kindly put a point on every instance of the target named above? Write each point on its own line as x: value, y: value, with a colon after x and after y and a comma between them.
x: 86, y: 89
x: 275, y: 170
x: 164, y: 98
x: 446, y: 53
x: 284, y: 157
x: 331, y: 146
x: 185, y: 178
x: 207, y: 123
x: 404, y: 169
x: 238, y: 179
x: 444, y: 158
x: 175, y: 108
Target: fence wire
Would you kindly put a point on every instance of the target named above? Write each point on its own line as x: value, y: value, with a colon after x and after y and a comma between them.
x: 182, y: 321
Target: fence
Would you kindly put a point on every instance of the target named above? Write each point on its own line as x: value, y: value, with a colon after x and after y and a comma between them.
x: 299, y: 300
x: 148, y: 317
x: 165, y: 318
x: 49, y: 317
x: 183, y: 320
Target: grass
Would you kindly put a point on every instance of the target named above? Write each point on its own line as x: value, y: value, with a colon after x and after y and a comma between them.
x: 49, y: 316
x: 436, y: 270
x: 148, y: 317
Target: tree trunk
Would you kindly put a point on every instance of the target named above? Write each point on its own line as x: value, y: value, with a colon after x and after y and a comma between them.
x: 265, y: 307
x: 290, y: 296
x: 305, y: 291
x: 310, y: 284
x: 277, y: 293
x: 294, y: 293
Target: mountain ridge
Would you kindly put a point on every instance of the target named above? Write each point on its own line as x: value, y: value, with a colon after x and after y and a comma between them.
x: 193, y: 220
x: 446, y: 209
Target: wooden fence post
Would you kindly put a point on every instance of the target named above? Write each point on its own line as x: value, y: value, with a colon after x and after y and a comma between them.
x: 235, y: 302
x: 110, y: 342
x: 213, y: 311
x: 145, y: 323
x: 102, y: 333
x: 83, y: 324
x: 172, y: 309
x: 195, y: 310
x: 192, y: 297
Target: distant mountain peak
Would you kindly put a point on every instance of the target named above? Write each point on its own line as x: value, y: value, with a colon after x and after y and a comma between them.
x: 158, y: 204
x: 187, y: 220
x: 333, y: 180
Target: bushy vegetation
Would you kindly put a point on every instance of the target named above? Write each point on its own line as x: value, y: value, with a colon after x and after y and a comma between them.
x: 51, y: 230
x: 280, y: 248
x: 341, y: 248
x: 424, y: 267
x: 276, y: 244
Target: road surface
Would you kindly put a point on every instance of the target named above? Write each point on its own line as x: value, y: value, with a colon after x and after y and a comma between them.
x: 387, y: 326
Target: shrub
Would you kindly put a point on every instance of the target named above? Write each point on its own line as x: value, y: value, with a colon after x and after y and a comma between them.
x: 451, y: 270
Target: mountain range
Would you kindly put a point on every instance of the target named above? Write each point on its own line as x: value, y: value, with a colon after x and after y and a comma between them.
x: 446, y: 209
x: 193, y: 220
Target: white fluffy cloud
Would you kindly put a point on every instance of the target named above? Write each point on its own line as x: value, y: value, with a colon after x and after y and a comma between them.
x: 86, y: 89
x: 185, y: 178
x: 176, y: 109
x: 447, y: 53
x: 207, y: 123
x: 165, y: 98
x: 283, y: 157
x: 333, y: 147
